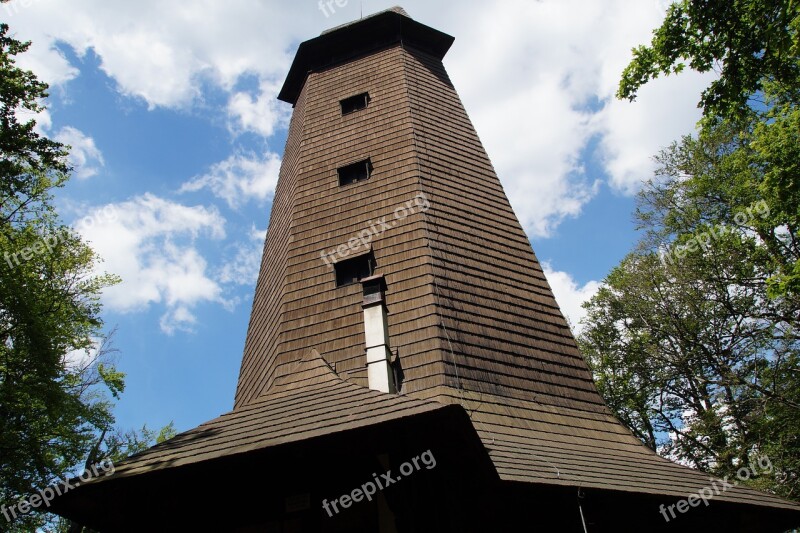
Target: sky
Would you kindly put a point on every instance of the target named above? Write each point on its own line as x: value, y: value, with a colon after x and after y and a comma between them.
x: 177, y: 137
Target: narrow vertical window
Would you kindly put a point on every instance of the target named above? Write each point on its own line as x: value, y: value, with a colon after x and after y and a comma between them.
x: 354, y: 103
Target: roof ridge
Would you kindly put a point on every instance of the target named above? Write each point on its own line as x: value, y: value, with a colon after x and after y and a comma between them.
x: 396, y: 9
x: 312, y: 366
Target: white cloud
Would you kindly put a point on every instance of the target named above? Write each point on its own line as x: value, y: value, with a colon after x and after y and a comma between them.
x: 632, y: 133
x: 43, y: 57
x: 243, y: 268
x: 151, y: 243
x: 260, y: 114
x: 538, y: 79
x: 239, y: 178
x: 542, y: 90
x: 570, y: 295
x: 79, y: 360
x: 164, y: 53
x: 84, y: 156
x: 538, y: 163
x: 179, y: 319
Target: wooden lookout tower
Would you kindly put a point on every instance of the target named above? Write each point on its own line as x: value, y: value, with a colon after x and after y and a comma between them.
x: 402, y: 324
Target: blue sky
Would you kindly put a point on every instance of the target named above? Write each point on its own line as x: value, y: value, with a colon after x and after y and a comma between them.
x: 177, y: 138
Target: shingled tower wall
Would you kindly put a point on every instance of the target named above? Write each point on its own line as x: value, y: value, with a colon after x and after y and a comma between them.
x: 469, y: 306
x: 297, y: 305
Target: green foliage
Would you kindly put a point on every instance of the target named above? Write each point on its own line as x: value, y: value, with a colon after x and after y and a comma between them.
x: 750, y: 43
x: 779, y: 429
x: 119, y: 445
x: 56, y: 369
x: 690, y: 356
x: 751, y: 128
x: 30, y: 165
x: 693, y: 340
x: 689, y: 342
x: 112, y: 378
x: 51, y: 406
x: 740, y: 174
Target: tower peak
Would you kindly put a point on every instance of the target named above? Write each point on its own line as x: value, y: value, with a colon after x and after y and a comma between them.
x: 396, y: 9
x: 358, y: 38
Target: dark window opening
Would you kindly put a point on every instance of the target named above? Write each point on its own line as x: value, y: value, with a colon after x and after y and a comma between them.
x: 349, y: 271
x: 355, y: 172
x: 354, y: 103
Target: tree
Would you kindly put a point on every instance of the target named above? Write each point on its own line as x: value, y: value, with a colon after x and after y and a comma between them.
x: 739, y: 173
x: 693, y: 339
x: 750, y: 43
x: 115, y: 447
x: 51, y: 408
x: 31, y: 165
x: 755, y: 47
x: 685, y: 342
x: 688, y: 354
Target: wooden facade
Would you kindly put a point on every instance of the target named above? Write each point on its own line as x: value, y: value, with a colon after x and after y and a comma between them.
x: 490, y: 379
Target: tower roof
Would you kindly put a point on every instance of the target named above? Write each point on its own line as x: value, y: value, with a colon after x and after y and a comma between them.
x: 396, y: 9
x: 358, y: 38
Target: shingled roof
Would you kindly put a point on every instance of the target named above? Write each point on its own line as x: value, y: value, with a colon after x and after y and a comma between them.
x: 309, y: 402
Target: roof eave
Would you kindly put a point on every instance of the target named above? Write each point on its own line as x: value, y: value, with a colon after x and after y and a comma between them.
x: 358, y: 39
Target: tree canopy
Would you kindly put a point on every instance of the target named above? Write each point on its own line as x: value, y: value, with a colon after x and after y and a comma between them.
x: 686, y: 345
x: 749, y: 43
x: 57, y: 373
x: 693, y: 337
